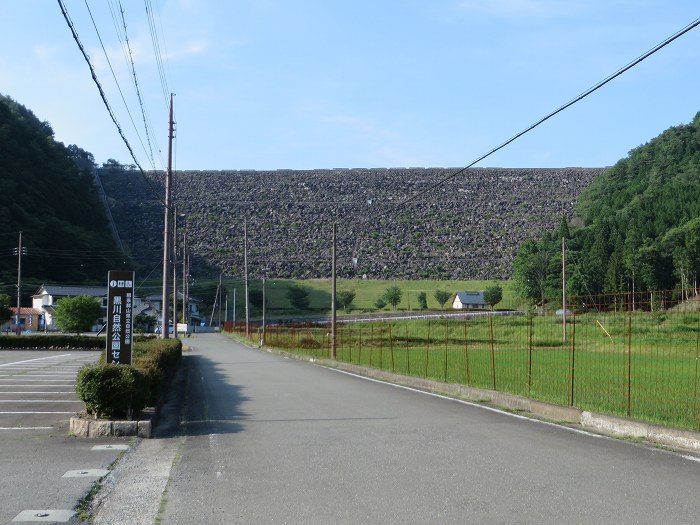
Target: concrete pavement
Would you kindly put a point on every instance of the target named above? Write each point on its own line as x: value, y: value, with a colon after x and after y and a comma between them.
x: 266, y: 439
x: 44, y: 471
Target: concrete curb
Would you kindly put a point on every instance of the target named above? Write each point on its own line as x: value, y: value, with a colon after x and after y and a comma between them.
x: 94, y: 428
x: 600, y: 423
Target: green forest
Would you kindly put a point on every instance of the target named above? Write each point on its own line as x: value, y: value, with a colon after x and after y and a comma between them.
x: 638, y: 227
x: 47, y: 191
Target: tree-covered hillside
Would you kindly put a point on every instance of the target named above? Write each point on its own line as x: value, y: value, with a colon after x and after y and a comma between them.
x: 47, y: 191
x: 641, y: 226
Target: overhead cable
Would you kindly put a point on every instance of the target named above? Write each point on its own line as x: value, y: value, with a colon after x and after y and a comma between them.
x: 573, y: 101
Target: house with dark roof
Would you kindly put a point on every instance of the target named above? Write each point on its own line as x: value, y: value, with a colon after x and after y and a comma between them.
x: 469, y: 301
x: 45, y: 298
x: 44, y: 301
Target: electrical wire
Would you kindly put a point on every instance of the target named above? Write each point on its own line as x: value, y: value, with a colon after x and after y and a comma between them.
x: 97, y: 82
x: 573, y: 101
x: 103, y: 96
x: 156, y: 50
x: 136, y: 85
x: 114, y: 75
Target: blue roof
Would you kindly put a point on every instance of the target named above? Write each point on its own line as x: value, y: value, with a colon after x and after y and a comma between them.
x: 471, y: 297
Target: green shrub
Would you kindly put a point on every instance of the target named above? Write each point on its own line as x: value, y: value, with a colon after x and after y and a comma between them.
x: 117, y: 390
x: 157, y: 359
x: 112, y: 390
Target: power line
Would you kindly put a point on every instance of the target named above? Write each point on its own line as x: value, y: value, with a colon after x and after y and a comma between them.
x: 156, y: 50
x: 114, y: 75
x: 104, y: 96
x: 97, y: 82
x: 136, y: 85
x: 573, y: 101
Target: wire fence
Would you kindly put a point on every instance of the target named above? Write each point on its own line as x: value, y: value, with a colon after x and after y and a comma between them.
x: 633, y: 355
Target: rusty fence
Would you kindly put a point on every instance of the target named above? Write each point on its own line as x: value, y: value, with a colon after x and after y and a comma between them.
x: 634, y: 355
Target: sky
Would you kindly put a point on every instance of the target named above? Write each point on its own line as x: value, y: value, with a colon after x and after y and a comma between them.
x: 313, y: 84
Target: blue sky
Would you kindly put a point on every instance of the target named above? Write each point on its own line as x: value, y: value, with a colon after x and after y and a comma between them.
x: 281, y: 84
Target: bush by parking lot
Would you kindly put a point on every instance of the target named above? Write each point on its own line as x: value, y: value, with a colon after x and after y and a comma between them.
x: 116, y: 391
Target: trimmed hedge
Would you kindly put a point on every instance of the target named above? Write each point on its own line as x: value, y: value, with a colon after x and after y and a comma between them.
x: 52, y: 341
x: 120, y: 390
x: 112, y: 390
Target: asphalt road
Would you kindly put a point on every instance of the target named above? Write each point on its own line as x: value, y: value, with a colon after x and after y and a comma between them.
x: 272, y: 440
x: 41, y: 466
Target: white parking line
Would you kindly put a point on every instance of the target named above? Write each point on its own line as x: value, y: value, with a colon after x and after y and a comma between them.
x: 15, y: 385
x: 37, y: 359
x: 23, y: 378
x: 26, y: 428
x: 38, y: 401
x: 38, y: 375
x: 10, y: 413
x: 35, y: 392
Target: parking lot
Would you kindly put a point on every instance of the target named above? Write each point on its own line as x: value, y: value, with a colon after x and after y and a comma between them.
x: 37, y: 388
x: 46, y: 471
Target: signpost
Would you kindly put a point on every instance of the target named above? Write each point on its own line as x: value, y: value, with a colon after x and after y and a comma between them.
x: 120, y: 301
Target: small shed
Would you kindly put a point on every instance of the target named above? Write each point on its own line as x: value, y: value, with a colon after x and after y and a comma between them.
x: 469, y: 301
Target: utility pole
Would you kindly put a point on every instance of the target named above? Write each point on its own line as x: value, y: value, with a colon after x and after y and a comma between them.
x: 333, y: 299
x: 18, y: 328
x: 165, y: 308
x: 221, y: 295
x: 174, y: 262
x: 185, y: 311
x: 245, y: 272
x: 563, y: 287
x: 262, y: 335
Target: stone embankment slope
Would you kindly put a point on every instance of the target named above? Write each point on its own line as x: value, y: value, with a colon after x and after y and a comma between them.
x: 470, y: 227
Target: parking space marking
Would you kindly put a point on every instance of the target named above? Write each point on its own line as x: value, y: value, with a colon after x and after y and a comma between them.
x: 37, y: 359
x: 42, y: 412
x: 38, y: 401
x: 35, y: 392
x: 26, y: 428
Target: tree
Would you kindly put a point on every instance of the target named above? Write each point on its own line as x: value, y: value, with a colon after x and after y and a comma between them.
x: 298, y: 297
x: 531, y: 272
x: 345, y: 298
x: 112, y: 164
x: 144, y: 322
x: 5, y: 312
x: 84, y: 160
x: 422, y: 301
x: 442, y: 296
x: 493, y: 295
x: 393, y: 296
x: 380, y: 303
x: 77, y: 314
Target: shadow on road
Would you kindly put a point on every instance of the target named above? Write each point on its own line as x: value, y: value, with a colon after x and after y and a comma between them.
x: 201, y: 401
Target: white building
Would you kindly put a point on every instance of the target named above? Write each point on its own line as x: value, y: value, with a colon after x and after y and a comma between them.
x: 469, y: 301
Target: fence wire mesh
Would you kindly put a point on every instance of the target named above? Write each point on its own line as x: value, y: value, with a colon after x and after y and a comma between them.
x: 634, y: 355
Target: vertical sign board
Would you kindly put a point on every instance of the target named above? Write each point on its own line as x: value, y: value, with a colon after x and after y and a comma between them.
x: 120, y: 300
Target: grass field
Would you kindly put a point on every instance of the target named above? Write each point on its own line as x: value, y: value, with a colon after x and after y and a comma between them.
x: 367, y: 292
x: 638, y: 365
